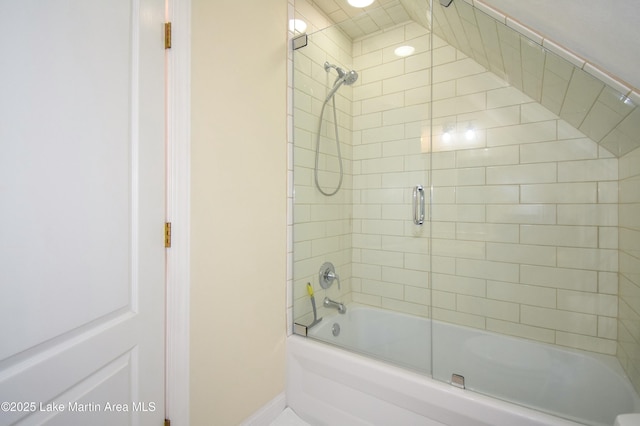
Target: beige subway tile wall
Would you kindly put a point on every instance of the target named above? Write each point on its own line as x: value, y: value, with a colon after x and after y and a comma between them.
x: 628, y: 323
x: 528, y: 231
x: 391, y: 112
x: 500, y: 189
x: 516, y: 176
x: 322, y: 228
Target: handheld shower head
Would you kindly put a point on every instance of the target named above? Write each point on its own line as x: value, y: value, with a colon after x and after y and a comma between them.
x: 350, y: 77
x: 344, y: 77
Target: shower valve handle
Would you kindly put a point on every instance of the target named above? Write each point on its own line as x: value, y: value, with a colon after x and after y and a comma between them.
x: 327, y: 275
x: 333, y: 276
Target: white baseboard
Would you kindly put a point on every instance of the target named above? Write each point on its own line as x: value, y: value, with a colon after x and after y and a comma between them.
x: 268, y: 413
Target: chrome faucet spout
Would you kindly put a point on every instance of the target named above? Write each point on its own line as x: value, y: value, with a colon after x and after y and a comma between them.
x: 328, y: 303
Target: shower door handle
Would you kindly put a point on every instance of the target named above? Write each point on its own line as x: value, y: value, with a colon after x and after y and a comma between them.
x: 418, y: 204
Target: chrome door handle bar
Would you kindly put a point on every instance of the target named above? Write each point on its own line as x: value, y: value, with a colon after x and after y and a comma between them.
x: 418, y: 204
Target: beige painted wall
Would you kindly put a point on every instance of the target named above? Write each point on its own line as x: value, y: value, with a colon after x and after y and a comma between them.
x: 238, y: 210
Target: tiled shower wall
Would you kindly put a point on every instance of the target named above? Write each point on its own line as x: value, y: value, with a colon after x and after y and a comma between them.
x: 629, y: 317
x: 526, y: 240
x: 391, y: 111
x: 525, y: 207
x: 524, y: 226
x: 322, y: 228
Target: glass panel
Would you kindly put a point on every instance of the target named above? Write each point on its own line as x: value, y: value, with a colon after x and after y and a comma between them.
x: 361, y: 139
x: 525, y: 221
x: 522, y: 282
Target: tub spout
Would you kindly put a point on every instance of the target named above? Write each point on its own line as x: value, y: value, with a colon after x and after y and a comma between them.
x: 328, y: 303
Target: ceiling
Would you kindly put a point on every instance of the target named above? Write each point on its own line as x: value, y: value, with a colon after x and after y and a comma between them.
x: 605, y: 33
x: 359, y: 22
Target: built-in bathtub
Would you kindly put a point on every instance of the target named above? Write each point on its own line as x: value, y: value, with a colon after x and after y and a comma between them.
x: 330, y: 386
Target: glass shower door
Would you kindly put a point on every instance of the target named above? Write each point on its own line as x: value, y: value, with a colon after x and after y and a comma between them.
x: 524, y: 220
x: 523, y: 159
x: 370, y: 229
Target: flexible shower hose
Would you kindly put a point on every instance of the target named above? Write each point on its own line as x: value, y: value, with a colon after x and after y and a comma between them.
x: 315, y: 170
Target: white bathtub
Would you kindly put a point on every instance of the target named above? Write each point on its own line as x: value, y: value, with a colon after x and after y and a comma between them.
x: 327, y: 385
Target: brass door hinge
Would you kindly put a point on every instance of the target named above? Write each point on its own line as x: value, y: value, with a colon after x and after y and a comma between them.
x: 167, y: 422
x: 167, y: 234
x: 167, y: 35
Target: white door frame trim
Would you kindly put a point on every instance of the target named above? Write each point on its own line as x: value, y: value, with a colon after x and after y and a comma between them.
x: 178, y: 103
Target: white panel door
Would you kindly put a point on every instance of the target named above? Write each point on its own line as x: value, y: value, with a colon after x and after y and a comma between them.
x: 81, y: 212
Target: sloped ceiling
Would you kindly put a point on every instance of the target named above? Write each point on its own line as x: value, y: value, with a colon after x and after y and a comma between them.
x: 591, y: 101
x: 605, y: 33
x: 603, y: 108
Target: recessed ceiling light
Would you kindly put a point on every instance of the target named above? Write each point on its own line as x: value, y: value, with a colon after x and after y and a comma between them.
x: 360, y: 3
x: 404, y: 51
x: 297, y: 26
